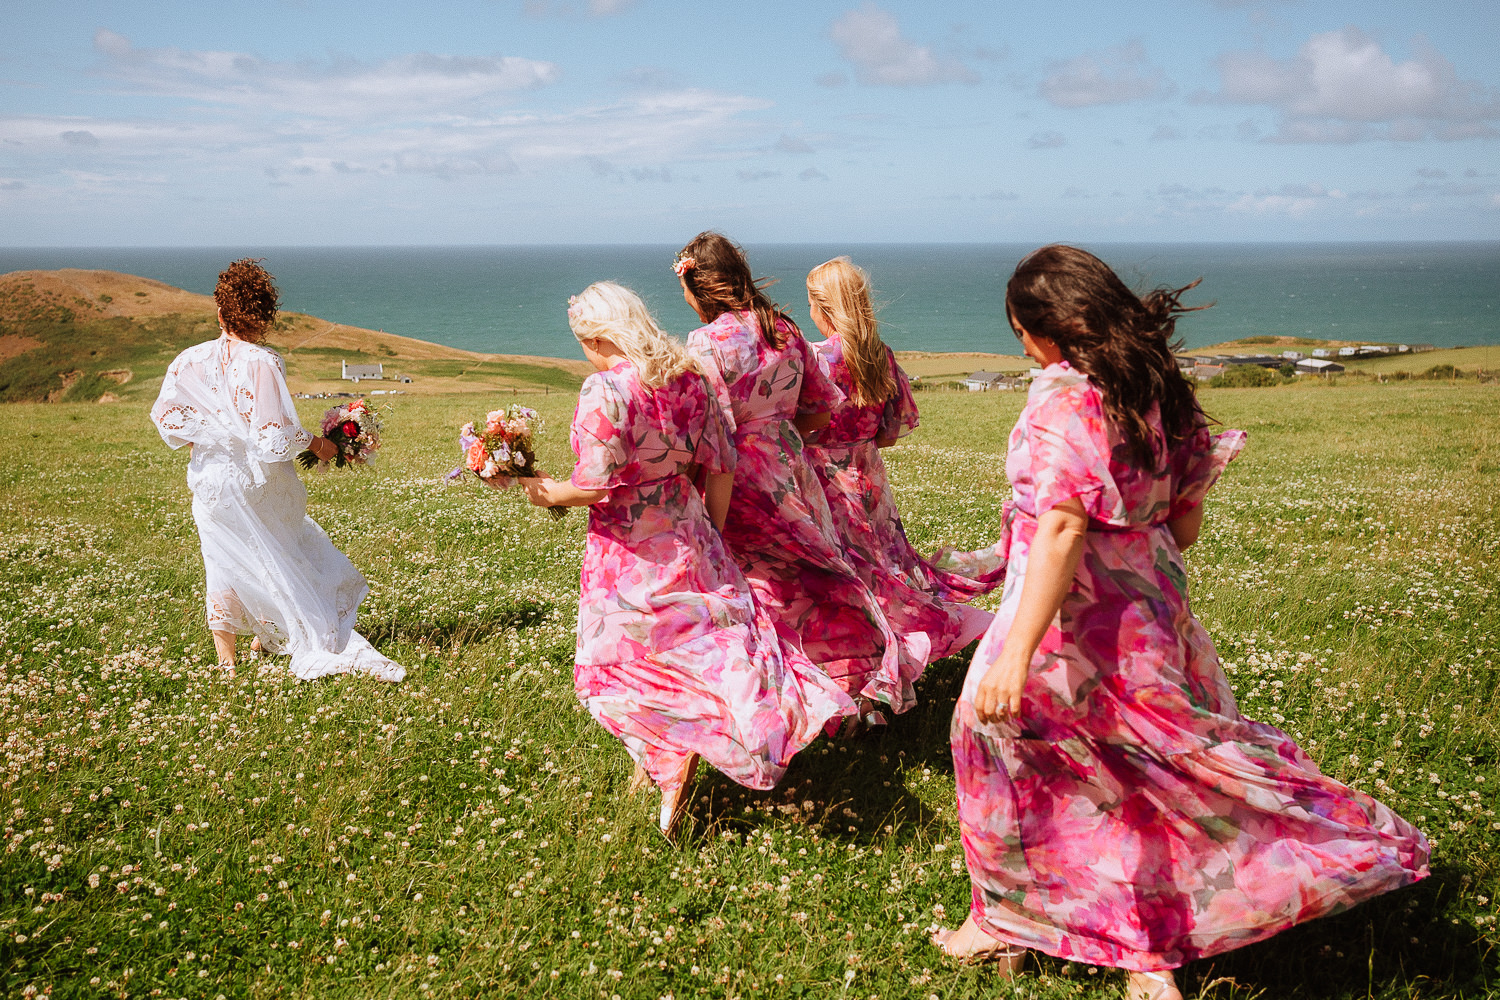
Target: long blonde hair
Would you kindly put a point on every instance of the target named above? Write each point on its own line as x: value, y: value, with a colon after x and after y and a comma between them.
x: 840, y: 290
x: 609, y: 311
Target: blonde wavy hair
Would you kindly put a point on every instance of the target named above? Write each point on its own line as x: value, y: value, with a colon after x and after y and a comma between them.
x: 840, y: 290
x: 609, y: 311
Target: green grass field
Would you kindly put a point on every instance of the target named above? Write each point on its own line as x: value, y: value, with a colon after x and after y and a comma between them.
x: 171, y: 832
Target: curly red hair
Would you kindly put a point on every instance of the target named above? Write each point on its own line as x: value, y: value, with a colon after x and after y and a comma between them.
x: 247, y: 299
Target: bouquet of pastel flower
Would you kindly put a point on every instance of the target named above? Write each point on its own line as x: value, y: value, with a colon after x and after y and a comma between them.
x: 354, y: 429
x: 500, y: 450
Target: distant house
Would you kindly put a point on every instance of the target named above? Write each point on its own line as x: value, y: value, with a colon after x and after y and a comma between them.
x: 982, y: 381
x: 1318, y: 366
x: 354, y: 373
x: 1293, y: 355
x: 1373, y: 350
x: 1348, y: 352
x: 1186, y: 363
x: 1203, y: 372
x: 1323, y: 352
x: 1422, y: 348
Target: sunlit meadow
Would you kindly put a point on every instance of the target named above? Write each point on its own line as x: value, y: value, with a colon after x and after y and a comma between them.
x: 172, y: 832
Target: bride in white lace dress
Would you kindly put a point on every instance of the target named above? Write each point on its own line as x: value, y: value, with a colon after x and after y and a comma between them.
x: 271, y: 571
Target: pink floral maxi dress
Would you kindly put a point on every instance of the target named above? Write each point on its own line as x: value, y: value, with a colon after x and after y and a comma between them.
x: 847, y: 461
x: 1131, y: 816
x: 674, y: 657
x: 779, y: 527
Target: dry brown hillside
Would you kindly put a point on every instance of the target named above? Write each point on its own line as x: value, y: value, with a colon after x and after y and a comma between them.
x: 76, y: 335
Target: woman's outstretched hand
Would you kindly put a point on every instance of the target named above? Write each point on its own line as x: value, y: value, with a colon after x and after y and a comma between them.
x: 540, y: 490
x: 998, y: 697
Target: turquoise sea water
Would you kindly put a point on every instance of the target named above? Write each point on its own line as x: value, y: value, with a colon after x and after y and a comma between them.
x: 939, y: 297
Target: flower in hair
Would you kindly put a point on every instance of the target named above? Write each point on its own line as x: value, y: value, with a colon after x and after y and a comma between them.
x: 575, y: 308
x: 683, y: 264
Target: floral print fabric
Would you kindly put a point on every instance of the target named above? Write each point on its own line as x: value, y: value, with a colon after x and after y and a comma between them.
x: 847, y: 461
x: 1130, y: 816
x: 673, y: 656
x: 779, y: 527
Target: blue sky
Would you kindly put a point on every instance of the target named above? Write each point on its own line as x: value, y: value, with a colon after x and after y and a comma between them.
x: 637, y: 121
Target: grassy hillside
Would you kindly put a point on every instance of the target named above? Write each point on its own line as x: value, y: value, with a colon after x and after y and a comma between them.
x: 86, y: 336
x: 172, y: 832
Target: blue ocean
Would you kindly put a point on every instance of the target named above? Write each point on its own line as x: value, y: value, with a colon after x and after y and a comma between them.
x: 933, y: 297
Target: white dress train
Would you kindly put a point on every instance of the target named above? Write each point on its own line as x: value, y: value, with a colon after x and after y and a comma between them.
x: 270, y: 570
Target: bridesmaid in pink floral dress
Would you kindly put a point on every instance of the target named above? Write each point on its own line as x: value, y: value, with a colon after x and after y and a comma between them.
x: 1116, y: 808
x: 779, y: 528
x: 877, y: 410
x: 674, y: 657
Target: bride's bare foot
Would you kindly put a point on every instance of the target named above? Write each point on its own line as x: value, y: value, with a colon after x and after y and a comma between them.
x: 970, y: 944
x: 674, y: 801
x: 639, y: 781
x: 1160, y: 985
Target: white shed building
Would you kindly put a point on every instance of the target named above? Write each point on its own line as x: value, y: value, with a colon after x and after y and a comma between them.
x: 354, y: 373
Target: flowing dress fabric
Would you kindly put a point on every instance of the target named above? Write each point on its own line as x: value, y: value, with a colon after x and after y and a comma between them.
x: 848, y: 465
x: 674, y: 657
x: 779, y: 528
x: 270, y: 570
x: 1131, y: 816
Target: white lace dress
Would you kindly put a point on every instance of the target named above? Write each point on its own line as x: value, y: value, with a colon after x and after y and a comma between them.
x: 270, y: 570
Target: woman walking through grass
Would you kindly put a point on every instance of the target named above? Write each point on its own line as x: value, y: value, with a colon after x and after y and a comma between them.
x: 270, y: 570
x: 878, y: 409
x: 779, y: 529
x: 1116, y: 808
x: 674, y: 656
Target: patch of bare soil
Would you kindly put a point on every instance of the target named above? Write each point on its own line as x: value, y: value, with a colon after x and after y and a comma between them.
x: 68, y: 378
x: 13, y: 345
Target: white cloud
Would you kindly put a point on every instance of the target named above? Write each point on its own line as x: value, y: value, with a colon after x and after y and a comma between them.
x: 336, y: 88
x: 590, y: 8
x: 1342, y: 86
x: 871, y: 39
x: 641, y: 134
x: 447, y: 116
x: 1112, y: 76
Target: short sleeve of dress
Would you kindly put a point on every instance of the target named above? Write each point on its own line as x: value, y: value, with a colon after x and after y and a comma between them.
x: 175, y: 413
x: 598, y: 434
x: 1200, y: 462
x: 701, y: 349
x: 1068, y: 436
x: 899, y: 418
x: 819, y: 393
x: 276, y: 435
x: 715, y: 452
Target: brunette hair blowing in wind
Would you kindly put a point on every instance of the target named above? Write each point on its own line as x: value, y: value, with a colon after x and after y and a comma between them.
x: 247, y: 299
x: 720, y: 281
x: 1120, y: 340
x: 840, y: 290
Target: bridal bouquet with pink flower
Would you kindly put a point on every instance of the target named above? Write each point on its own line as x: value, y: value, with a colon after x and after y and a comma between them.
x: 354, y: 429
x: 500, y: 450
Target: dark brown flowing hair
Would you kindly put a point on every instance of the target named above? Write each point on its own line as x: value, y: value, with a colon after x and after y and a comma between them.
x: 720, y: 281
x: 1121, y: 341
x: 247, y: 299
